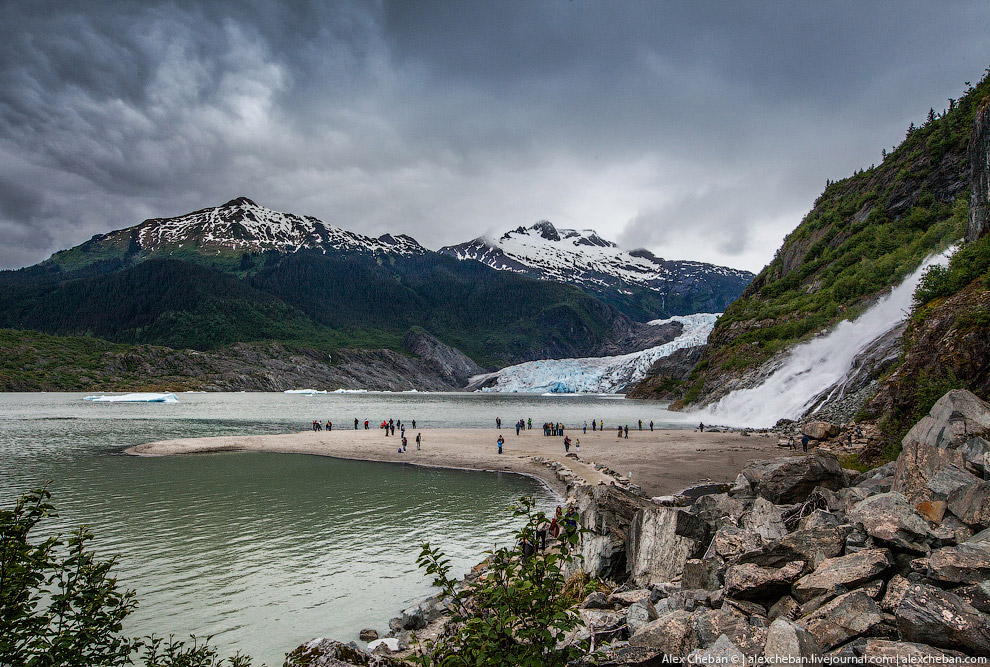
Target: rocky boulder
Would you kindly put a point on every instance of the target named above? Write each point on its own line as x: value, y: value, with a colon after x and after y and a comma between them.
x: 886, y: 652
x: 749, y: 581
x: 843, y: 572
x: 846, y: 617
x: 656, y: 548
x: 329, y: 653
x: 820, y: 430
x: 889, y: 517
x: 722, y: 652
x: 951, y: 433
x: 764, y: 519
x: 786, y: 639
x: 607, y: 512
x: 639, y: 615
x: 797, y: 477
x: 930, y: 615
x: 971, y: 504
x: 967, y: 563
x: 710, y: 624
x: 810, y: 546
x: 671, y: 634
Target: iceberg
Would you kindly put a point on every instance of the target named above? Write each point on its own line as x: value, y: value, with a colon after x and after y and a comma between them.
x: 135, y: 398
x: 349, y: 391
x: 597, y: 375
x: 304, y: 392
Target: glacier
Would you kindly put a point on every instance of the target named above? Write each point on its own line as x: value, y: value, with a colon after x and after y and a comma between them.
x: 141, y: 397
x: 598, y: 375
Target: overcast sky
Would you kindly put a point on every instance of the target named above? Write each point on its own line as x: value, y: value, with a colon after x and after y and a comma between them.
x: 699, y: 130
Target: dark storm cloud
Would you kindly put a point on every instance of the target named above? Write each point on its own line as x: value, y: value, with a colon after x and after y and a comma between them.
x: 449, y: 119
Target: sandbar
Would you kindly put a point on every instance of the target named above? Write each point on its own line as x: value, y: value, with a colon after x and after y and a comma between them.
x: 661, y: 462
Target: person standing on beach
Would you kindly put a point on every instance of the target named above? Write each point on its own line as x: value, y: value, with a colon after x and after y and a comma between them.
x: 403, y: 443
x: 365, y: 424
x: 601, y: 425
x: 651, y: 426
x: 577, y: 445
x: 619, y: 432
x: 627, y: 431
x: 529, y: 423
x: 419, y: 439
x: 701, y: 427
x: 640, y: 424
x: 500, y: 442
x: 585, y: 428
x: 567, y: 444
x: 518, y: 424
x: 498, y: 423
x: 355, y: 423
x: 594, y: 425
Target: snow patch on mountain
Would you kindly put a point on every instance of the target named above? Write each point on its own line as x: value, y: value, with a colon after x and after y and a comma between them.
x: 600, y: 375
x: 583, y: 258
x: 240, y: 224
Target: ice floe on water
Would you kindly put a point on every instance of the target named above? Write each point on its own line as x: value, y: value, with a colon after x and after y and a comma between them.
x: 597, y: 375
x: 304, y: 392
x: 141, y: 397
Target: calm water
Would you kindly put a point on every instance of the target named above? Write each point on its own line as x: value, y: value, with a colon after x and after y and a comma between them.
x: 266, y: 551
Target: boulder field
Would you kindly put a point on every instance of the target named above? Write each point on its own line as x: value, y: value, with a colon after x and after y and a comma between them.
x: 800, y: 559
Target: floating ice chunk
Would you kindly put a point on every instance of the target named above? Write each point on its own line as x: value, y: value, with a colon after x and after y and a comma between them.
x: 305, y: 392
x: 349, y: 391
x: 135, y: 398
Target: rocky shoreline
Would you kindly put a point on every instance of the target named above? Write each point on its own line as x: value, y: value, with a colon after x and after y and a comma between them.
x: 798, y: 560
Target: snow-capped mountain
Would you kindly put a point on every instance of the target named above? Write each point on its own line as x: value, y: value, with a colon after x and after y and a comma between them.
x: 595, y: 374
x: 583, y: 258
x: 242, y: 225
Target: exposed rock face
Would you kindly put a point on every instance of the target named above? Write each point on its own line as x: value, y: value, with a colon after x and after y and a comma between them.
x: 665, y: 377
x: 979, y: 159
x: 671, y: 634
x: 971, y: 503
x: 747, y: 580
x: 765, y: 520
x: 656, y: 548
x: 794, y: 481
x: 951, y: 434
x: 448, y: 362
x: 607, y: 512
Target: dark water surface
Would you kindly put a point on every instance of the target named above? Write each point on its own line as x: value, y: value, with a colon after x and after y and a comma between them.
x: 266, y: 551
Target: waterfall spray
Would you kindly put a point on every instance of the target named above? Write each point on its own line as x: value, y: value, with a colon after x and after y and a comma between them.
x: 815, y: 366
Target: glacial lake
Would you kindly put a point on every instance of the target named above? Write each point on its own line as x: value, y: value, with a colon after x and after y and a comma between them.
x: 266, y: 551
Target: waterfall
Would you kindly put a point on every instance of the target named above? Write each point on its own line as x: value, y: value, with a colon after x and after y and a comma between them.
x: 815, y: 366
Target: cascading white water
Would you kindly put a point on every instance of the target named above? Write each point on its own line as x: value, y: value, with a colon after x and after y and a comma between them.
x: 814, y: 366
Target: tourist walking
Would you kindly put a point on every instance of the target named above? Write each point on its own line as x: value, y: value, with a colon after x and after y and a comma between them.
x: 355, y: 423
x: 701, y: 427
x: 627, y: 431
x: 500, y: 442
x: 593, y: 425
x: 529, y: 424
x: 567, y: 444
x: 419, y: 439
x: 518, y: 426
x: 651, y: 426
x: 640, y: 424
x: 403, y: 443
x: 584, y: 429
x: 498, y: 423
x: 804, y: 443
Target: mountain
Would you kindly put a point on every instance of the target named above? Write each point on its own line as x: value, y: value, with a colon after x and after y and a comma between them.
x: 864, y: 235
x: 229, y: 231
x: 241, y: 273
x: 643, y: 286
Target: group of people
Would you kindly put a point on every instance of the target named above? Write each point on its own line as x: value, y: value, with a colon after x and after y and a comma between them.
x: 318, y: 425
x: 562, y: 527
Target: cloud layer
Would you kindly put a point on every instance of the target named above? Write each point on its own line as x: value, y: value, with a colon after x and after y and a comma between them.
x: 700, y: 130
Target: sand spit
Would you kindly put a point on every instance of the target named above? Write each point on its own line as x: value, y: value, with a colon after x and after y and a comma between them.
x: 661, y: 462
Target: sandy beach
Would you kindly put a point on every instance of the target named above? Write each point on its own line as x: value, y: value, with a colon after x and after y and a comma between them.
x: 661, y: 462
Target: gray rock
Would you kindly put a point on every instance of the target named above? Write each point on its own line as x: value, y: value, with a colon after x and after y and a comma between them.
x: 703, y: 573
x: 368, y: 634
x: 971, y: 503
x: 719, y: 509
x: 330, y: 653
x: 626, y: 598
x: 607, y: 513
x: 786, y: 639
x: 654, y: 551
x: 820, y: 430
x: 755, y: 471
x: 818, y: 520
x: 844, y: 618
x: 982, y: 536
x: 731, y: 542
x: 848, y: 571
x: 639, y: 615
x: 602, y: 620
x: 672, y: 634
x: 951, y: 531
x: 944, y: 436
x: 722, y: 652
x: 889, y: 517
x: 710, y: 624
x: 977, y: 595
x: 947, y: 479
x: 967, y: 563
x: 749, y: 581
x: 596, y: 600
x: 929, y: 615
x: 794, y: 481
x: 811, y: 546
x: 785, y: 607
x: 858, y: 540
x: 886, y: 652
x: 764, y: 519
